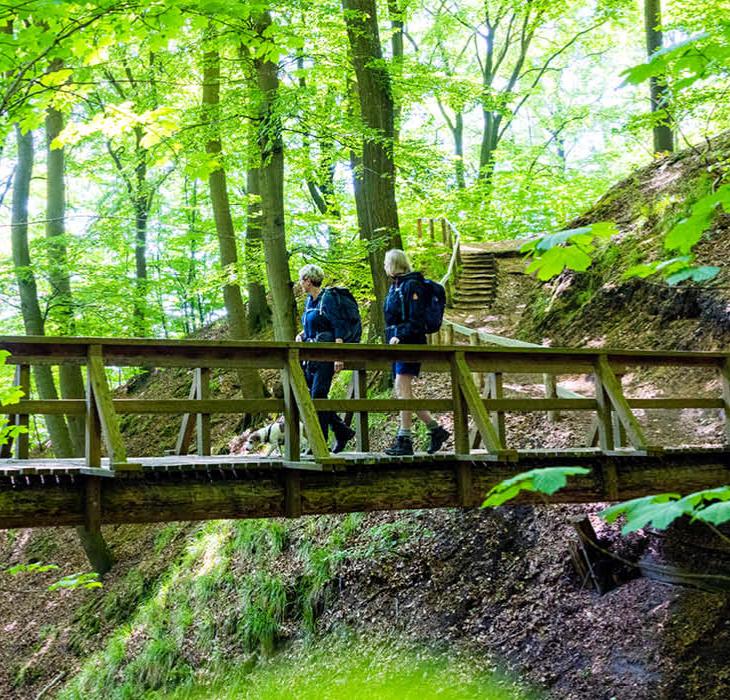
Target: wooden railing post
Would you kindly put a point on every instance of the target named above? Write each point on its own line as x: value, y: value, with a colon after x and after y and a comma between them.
x: 102, y: 399
x: 22, y: 441
x: 449, y: 333
x: 419, y: 229
x: 612, y: 388
x: 495, y: 390
x: 725, y: 382
x: 360, y: 391
x: 478, y: 377
x: 461, y: 409
x: 469, y: 401
x: 292, y: 419
x: 604, y: 425
x: 445, y: 232
x: 551, y: 392
x: 619, y: 431
x: 431, y: 233
x: 202, y: 421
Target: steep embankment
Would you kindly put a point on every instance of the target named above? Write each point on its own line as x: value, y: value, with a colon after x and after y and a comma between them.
x: 188, y: 602
x: 602, y: 306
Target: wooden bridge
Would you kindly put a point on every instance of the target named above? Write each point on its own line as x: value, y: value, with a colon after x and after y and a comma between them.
x: 108, y: 486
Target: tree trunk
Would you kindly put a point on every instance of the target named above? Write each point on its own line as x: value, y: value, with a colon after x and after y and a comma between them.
x: 458, y: 133
x: 30, y: 308
x: 140, y: 201
x: 62, y: 311
x: 396, y: 45
x: 271, y: 183
x: 251, y: 384
x: 259, y: 313
x: 659, y: 95
x: 377, y: 207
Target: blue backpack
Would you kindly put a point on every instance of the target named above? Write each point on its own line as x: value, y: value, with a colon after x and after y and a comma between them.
x: 342, y: 307
x: 434, y: 305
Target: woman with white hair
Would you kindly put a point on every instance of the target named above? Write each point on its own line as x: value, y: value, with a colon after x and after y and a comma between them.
x: 405, y: 323
x: 322, y: 327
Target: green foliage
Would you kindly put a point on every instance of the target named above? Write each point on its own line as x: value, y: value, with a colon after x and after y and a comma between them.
x: 661, y: 510
x: 33, y: 568
x: 572, y: 249
x: 546, y: 481
x: 72, y: 582
x: 682, y: 238
x: 9, y: 395
x: 346, y: 666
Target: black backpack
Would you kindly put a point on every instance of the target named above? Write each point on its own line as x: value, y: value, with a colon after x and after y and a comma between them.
x: 342, y: 307
x: 434, y: 306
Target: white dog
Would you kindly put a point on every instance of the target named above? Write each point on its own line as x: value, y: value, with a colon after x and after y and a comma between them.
x: 271, y: 436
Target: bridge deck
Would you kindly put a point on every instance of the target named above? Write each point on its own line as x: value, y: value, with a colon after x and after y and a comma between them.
x: 37, y: 493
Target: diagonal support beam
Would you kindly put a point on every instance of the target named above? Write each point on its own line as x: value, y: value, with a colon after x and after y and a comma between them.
x: 307, y: 412
x: 611, y: 385
x: 107, y: 415
x: 461, y: 372
x: 187, y: 427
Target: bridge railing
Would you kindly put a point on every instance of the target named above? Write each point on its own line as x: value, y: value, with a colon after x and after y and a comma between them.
x: 615, y: 419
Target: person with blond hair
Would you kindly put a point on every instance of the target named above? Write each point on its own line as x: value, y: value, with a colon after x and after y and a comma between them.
x: 321, y: 325
x: 405, y: 323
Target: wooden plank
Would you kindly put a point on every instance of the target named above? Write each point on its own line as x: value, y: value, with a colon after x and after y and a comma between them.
x: 383, y: 405
x: 613, y: 389
x: 725, y: 379
x: 202, y: 420
x: 523, y: 405
x: 360, y: 391
x: 308, y: 413
x: 478, y: 377
x: 676, y: 403
x: 460, y: 407
x: 193, y: 405
x: 111, y: 434
x: 69, y: 407
x: 185, y: 435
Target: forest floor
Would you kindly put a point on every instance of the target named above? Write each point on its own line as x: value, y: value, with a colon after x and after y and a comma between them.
x: 497, y: 583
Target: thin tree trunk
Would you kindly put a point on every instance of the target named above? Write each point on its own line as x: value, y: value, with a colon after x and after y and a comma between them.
x: 377, y: 207
x: 30, y: 308
x: 458, y: 133
x: 259, y: 313
x: 659, y: 95
x: 271, y: 183
x: 251, y: 383
x: 141, y: 203
x: 62, y: 310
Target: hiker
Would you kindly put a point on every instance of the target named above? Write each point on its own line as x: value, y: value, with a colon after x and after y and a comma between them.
x: 323, y: 322
x: 405, y: 321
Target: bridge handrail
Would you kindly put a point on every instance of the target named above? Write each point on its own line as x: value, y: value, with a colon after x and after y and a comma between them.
x: 616, y: 422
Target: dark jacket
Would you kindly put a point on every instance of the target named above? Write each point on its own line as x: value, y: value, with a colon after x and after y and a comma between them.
x: 404, y: 309
x: 316, y: 322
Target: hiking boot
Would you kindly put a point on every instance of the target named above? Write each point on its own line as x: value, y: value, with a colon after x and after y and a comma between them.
x: 342, y: 440
x: 439, y: 436
x: 402, y: 446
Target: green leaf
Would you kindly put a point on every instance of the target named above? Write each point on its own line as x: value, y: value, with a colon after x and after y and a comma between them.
x: 546, y: 481
x: 716, y: 513
x: 696, y: 274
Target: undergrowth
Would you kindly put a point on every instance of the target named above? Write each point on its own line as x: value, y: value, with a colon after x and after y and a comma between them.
x: 237, y: 589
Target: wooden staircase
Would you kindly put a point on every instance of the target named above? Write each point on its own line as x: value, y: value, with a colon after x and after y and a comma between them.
x: 476, y: 284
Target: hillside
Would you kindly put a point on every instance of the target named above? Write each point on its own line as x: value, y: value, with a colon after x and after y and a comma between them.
x: 194, y: 602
